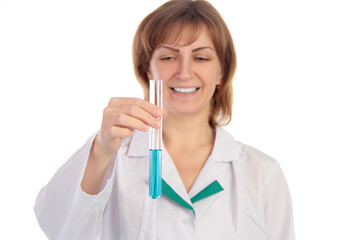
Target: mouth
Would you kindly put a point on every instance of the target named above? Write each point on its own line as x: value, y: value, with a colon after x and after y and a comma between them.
x: 185, y: 90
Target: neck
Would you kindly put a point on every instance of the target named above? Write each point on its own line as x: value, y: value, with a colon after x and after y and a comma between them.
x: 187, y: 132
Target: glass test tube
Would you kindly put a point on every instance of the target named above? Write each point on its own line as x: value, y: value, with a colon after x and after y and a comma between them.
x: 155, y: 152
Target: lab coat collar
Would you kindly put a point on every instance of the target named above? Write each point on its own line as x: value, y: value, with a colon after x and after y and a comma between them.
x: 226, y: 148
x: 139, y: 145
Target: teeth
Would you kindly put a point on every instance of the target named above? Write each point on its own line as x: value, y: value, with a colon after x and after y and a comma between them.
x: 185, y: 90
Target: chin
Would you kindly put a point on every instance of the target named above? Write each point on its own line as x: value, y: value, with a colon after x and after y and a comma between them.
x: 185, y: 109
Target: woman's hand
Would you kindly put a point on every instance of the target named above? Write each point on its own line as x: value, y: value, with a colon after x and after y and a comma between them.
x: 120, y: 118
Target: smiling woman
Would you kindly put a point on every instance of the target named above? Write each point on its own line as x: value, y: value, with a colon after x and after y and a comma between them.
x: 182, y: 24
x: 214, y: 186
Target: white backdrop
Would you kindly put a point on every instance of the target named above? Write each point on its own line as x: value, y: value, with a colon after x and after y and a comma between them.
x: 296, y: 97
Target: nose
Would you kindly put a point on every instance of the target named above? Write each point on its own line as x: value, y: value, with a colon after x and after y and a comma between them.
x: 185, y: 69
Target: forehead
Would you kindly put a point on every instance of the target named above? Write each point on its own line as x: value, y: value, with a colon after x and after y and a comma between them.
x: 188, y: 35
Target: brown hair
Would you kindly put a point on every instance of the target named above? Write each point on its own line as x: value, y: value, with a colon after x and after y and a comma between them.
x: 161, y: 23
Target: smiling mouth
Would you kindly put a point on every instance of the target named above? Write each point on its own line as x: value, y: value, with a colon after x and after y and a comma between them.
x: 185, y: 90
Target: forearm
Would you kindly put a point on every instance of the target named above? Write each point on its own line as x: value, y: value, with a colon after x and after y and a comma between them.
x: 97, y: 165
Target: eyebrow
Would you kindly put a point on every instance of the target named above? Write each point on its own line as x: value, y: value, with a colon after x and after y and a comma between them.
x: 202, y: 48
x: 194, y: 50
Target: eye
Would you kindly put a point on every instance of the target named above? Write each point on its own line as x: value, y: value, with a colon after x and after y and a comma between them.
x: 202, y: 59
x: 168, y: 58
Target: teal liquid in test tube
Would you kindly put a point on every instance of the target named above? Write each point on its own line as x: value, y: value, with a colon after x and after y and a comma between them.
x: 155, y: 152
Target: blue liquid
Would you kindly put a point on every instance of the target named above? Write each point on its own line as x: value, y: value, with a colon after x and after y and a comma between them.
x: 155, y: 170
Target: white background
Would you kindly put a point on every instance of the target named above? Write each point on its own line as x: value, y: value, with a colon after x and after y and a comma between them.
x: 296, y: 97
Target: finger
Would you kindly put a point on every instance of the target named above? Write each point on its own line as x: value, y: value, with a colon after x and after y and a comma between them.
x: 150, y: 108
x: 144, y: 116
x: 120, y: 132
x: 126, y: 121
x: 112, y: 115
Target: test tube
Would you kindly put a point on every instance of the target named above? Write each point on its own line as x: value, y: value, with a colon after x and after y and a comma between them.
x: 155, y: 151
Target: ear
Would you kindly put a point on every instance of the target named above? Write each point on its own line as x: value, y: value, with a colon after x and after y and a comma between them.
x: 219, y: 80
x: 149, y: 74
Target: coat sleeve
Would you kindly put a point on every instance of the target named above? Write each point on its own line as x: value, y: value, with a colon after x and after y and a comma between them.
x: 278, y: 206
x: 63, y: 210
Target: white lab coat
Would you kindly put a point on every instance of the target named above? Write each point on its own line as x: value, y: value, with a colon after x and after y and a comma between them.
x: 246, y: 197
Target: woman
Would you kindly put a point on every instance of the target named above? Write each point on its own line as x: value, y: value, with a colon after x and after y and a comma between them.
x: 213, y: 186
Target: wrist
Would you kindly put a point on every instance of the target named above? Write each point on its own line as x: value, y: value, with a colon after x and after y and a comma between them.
x: 99, y: 153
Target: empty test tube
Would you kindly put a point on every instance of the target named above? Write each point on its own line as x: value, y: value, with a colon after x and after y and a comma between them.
x: 155, y: 140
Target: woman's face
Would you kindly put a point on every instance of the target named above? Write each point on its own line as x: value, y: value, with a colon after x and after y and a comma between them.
x: 190, y: 74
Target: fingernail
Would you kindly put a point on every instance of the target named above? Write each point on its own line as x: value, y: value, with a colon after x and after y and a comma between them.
x: 158, y: 124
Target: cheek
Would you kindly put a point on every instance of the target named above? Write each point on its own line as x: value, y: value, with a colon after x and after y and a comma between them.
x: 215, y: 77
x: 159, y: 72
